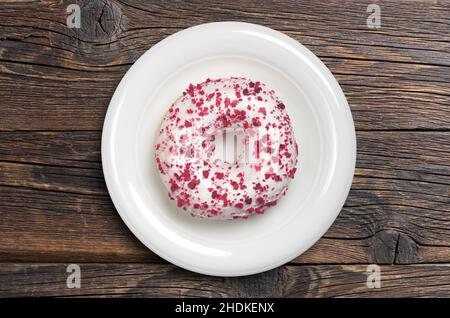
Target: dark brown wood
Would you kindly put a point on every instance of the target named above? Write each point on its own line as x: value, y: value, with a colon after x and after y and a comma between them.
x: 150, y: 280
x: 55, y: 206
x: 395, y: 77
x: 55, y: 86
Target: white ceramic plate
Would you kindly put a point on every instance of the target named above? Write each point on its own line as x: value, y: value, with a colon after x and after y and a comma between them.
x: 322, y: 123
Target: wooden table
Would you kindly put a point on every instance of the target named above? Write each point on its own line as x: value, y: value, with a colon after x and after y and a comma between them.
x: 55, y: 86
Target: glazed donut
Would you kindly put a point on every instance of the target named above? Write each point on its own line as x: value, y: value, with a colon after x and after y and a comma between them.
x: 205, y: 185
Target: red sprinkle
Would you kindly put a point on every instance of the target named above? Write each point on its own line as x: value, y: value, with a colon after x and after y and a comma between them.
x: 256, y: 122
x: 235, y: 185
x: 219, y: 175
x: 193, y: 183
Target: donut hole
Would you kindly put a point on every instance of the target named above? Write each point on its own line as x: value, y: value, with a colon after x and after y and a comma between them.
x: 229, y: 147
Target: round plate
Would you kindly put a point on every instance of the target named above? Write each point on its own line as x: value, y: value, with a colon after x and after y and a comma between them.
x: 321, y: 120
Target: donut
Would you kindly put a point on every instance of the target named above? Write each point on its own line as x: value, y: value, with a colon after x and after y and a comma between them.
x: 188, y: 158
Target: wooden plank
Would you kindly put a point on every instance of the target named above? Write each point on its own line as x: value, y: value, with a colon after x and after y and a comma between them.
x: 56, y: 208
x: 56, y: 227
x: 395, y: 77
x: 71, y: 149
x: 150, y: 280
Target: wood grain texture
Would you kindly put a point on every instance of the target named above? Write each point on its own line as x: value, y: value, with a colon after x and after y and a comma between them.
x: 55, y: 86
x: 58, y: 208
x: 395, y: 77
x: 147, y: 280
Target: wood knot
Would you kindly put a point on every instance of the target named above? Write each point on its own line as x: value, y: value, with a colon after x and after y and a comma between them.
x: 384, y: 245
x: 97, y: 40
x: 393, y: 247
x: 407, y: 250
x: 101, y: 22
